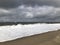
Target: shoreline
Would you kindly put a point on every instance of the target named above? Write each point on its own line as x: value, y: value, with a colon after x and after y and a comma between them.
x: 44, y: 38
x: 25, y: 23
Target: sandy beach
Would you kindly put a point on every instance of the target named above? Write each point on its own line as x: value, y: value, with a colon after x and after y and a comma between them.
x: 49, y: 38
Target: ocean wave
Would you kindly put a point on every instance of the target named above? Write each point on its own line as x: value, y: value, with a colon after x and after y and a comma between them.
x: 8, y: 33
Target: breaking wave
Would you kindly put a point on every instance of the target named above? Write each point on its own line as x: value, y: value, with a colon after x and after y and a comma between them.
x: 8, y: 33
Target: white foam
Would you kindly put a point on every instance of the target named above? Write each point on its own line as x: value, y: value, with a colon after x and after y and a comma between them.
x: 8, y: 33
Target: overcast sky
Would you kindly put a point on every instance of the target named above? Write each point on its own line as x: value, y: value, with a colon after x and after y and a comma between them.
x: 29, y: 10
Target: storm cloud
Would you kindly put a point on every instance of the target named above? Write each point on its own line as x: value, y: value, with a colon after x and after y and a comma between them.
x: 29, y: 11
x: 15, y: 3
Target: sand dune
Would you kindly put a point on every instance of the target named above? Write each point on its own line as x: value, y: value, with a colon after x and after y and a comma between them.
x: 49, y: 38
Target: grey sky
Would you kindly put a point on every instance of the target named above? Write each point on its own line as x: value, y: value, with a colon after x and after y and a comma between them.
x: 15, y: 3
x: 29, y: 10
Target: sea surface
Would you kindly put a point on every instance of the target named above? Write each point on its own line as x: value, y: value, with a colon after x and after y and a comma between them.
x: 12, y: 32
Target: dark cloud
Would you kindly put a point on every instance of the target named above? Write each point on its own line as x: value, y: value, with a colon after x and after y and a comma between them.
x: 29, y: 11
x: 8, y: 3
x: 15, y: 3
x: 41, y: 2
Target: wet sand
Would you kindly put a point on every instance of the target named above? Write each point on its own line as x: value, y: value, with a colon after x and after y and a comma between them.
x: 49, y: 38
